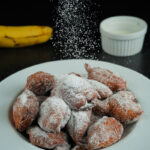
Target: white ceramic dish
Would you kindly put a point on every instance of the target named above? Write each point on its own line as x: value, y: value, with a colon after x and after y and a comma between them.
x: 123, y: 35
x: 137, y: 139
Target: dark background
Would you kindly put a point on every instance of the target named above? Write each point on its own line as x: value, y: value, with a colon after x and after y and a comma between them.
x: 43, y: 13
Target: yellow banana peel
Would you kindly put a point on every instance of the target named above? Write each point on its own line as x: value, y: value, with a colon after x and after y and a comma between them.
x: 21, y: 36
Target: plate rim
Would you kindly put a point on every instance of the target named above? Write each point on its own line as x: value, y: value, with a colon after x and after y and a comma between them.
x: 55, y: 61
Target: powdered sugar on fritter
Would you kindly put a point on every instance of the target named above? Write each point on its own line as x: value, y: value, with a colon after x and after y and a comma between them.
x: 126, y: 100
x: 54, y: 114
x: 75, y: 91
x: 78, y: 124
x: 25, y: 96
x: 106, y: 130
x: 103, y: 90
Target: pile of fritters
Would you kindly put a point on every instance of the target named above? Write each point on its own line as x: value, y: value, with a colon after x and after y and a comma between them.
x: 91, y: 111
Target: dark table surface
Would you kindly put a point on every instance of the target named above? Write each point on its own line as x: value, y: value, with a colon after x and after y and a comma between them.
x: 13, y: 60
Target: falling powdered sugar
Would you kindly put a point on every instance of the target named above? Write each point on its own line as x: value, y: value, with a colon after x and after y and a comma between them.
x: 76, y: 32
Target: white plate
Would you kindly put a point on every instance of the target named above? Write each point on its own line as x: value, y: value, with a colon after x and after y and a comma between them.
x: 137, y: 139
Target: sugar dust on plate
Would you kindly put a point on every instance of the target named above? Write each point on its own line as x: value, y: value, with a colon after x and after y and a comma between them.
x: 76, y: 31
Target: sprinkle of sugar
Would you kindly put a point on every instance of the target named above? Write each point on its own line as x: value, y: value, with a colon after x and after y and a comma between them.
x: 75, y: 90
x: 54, y: 114
x: 24, y: 97
x: 26, y: 101
x: 101, y: 107
x: 44, y: 139
x: 81, y: 118
x: 78, y: 124
x: 36, y: 131
x: 104, y: 132
x: 25, y: 110
x: 76, y: 30
x: 113, y: 81
x: 101, y: 88
x: 126, y: 100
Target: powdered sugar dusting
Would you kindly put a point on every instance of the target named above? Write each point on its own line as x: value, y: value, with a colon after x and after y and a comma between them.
x: 44, y: 139
x: 78, y: 124
x: 54, y: 114
x: 25, y: 110
x: 81, y: 118
x: 126, y: 100
x: 106, y: 130
x: 24, y: 97
x: 102, y: 89
x: 114, y: 82
x: 36, y: 131
x: 75, y: 91
x: 77, y: 29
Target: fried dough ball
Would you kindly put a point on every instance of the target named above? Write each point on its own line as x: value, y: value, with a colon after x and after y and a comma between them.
x: 25, y: 110
x: 75, y: 91
x: 40, y: 83
x: 44, y: 139
x: 104, y: 133
x: 114, y: 82
x: 103, y: 90
x: 122, y: 105
x: 54, y: 114
x: 78, y: 124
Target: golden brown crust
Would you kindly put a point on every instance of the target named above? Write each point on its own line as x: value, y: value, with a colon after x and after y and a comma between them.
x: 114, y: 82
x: 44, y: 139
x: 104, y: 133
x: 40, y: 83
x: 122, y: 105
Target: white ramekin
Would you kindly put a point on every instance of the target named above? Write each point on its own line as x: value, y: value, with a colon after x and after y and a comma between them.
x: 123, y: 35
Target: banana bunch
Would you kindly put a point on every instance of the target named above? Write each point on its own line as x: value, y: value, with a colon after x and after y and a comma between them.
x: 21, y: 36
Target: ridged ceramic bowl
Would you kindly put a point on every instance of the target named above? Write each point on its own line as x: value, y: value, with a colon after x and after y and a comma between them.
x: 123, y: 35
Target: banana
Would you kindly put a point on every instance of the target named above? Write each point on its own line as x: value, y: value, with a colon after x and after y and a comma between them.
x: 21, y: 36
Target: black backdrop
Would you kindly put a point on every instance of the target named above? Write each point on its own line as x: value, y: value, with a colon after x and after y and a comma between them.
x: 39, y: 12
